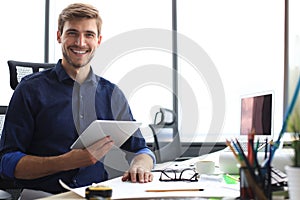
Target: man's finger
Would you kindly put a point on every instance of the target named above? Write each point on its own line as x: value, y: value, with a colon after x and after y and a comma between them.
x: 141, y: 175
x: 133, y: 176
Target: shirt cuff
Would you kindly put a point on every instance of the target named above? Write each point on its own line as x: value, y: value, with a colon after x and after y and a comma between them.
x: 148, y: 152
x: 9, y: 162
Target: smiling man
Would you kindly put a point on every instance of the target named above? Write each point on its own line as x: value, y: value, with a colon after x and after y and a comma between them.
x: 79, y: 39
x: 49, y: 109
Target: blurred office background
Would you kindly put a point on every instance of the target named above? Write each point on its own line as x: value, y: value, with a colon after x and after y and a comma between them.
x: 249, y: 43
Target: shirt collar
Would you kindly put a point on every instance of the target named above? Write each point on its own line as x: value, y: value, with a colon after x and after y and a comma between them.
x: 91, y: 77
x: 61, y: 73
x: 63, y: 76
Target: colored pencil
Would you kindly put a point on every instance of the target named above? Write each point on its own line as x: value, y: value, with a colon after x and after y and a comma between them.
x: 175, y: 190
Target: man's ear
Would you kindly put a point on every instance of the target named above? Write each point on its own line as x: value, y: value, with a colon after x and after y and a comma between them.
x: 99, y: 40
x: 58, y: 36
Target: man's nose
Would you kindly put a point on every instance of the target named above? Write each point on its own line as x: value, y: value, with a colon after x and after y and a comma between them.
x: 80, y: 40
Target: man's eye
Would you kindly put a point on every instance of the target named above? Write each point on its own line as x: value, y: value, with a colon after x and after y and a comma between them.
x: 71, y: 33
x: 90, y: 35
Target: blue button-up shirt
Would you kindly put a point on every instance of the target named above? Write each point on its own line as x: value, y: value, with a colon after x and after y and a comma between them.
x: 48, y: 111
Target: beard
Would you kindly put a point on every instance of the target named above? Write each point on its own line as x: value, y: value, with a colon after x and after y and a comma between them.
x: 74, y: 63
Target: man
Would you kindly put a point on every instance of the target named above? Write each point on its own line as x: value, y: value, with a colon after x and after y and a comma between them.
x: 48, y: 111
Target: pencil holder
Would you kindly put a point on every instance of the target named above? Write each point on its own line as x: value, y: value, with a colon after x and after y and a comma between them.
x: 255, y: 183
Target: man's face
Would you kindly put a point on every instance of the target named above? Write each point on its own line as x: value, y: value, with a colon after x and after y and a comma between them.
x: 79, y: 41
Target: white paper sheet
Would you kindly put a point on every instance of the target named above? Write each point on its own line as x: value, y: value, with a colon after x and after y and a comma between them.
x: 123, y: 190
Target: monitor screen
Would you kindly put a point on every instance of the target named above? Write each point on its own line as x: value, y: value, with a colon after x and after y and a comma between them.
x: 256, y: 115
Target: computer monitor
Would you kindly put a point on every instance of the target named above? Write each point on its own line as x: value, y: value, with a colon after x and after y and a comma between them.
x: 256, y: 114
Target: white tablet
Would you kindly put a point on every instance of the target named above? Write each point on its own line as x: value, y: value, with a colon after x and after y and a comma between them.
x: 119, y: 132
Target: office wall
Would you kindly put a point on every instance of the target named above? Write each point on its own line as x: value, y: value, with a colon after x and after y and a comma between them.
x: 241, y: 44
x: 22, y: 37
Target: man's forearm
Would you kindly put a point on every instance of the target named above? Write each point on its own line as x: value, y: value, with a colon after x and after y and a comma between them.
x: 31, y: 167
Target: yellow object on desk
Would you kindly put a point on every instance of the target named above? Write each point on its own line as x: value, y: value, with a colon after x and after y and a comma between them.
x: 94, y: 192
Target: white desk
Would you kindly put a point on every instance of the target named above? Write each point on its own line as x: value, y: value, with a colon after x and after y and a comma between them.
x: 123, y: 190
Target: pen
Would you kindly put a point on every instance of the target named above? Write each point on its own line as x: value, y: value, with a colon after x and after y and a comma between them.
x: 242, y: 154
x: 231, y: 148
x: 239, y: 154
x: 174, y: 190
x: 244, y: 158
x: 257, y: 145
x: 250, y: 148
x: 255, y: 153
x: 266, y: 148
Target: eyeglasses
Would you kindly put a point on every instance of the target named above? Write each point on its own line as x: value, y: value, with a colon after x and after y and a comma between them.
x: 188, y: 174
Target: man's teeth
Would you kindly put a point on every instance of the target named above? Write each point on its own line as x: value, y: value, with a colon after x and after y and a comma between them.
x: 81, y: 52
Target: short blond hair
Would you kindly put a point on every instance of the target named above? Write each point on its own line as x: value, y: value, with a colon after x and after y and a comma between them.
x: 79, y: 11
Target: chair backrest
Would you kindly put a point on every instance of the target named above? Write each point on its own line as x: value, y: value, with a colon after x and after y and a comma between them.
x: 17, y: 70
x: 166, y: 146
x: 2, y: 117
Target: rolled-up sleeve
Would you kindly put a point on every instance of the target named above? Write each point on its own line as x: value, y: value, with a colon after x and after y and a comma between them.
x: 9, y: 162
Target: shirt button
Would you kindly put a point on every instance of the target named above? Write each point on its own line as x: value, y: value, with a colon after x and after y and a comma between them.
x: 81, y: 116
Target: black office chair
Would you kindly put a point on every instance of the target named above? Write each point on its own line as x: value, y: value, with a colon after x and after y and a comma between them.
x: 3, y: 110
x: 18, y: 70
x: 2, y: 116
x: 166, y: 146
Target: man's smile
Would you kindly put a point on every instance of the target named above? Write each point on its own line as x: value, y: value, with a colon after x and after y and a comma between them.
x: 76, y: 51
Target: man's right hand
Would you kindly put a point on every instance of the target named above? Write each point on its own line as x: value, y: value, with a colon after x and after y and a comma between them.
x: 95, y: 152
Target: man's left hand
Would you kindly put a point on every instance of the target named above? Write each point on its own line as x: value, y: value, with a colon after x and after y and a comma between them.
x: 140, y: 170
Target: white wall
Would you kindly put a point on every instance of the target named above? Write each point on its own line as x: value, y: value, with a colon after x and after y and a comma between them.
x: 22, y: 37
x: 294, y: 44
x: 245, y: 42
